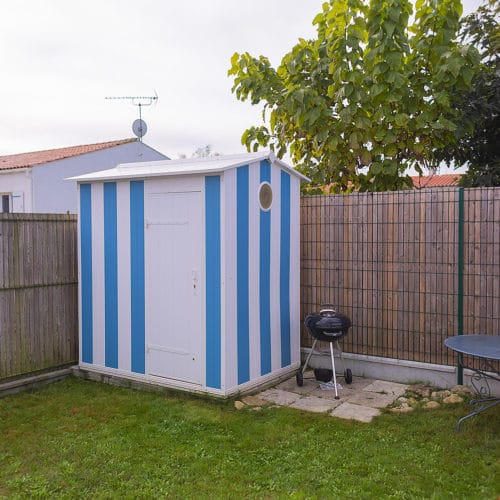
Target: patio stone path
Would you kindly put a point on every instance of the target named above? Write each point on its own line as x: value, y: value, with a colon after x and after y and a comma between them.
x: 361, y: 400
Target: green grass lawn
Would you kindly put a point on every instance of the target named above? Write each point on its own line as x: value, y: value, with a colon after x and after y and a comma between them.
x: 83, y: 439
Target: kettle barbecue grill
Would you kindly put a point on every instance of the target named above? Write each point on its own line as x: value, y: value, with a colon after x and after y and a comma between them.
x: 328, y: 326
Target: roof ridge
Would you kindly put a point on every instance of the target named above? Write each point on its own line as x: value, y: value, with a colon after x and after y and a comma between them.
x: 32, y: 158
x: 117, y: 141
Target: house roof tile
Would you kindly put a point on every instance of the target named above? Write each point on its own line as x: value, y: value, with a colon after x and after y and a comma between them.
x: 26, y: 160
x: 430, y: 181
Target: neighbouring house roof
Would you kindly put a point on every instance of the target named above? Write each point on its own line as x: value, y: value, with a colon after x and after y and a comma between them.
x: 206, y: 165
x: 26, y: 160
x: 424, y: 181
x: 430, y: 181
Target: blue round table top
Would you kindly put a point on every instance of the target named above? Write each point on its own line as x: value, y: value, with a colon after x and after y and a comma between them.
x: 482, y: 346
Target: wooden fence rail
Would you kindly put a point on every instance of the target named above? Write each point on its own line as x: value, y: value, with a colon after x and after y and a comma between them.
x: 409, y: 268
x: 38, y: 292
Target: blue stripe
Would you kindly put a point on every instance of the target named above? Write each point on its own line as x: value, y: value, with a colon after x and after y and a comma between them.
x: 242, y: 283
x: 110, y: 277
x: 285, y: 270
x: 137, y: 296
x: 86, y: 271
x: 265, y: 278
x: 213, y: 281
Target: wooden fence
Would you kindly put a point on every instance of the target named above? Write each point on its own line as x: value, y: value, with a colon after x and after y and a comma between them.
x: 409, y: 268
x: 38, y: 292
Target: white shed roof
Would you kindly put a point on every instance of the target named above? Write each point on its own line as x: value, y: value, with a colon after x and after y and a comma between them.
x: 188, y: 166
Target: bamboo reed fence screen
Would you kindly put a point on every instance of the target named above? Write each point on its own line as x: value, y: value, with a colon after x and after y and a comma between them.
x: 410, y: 268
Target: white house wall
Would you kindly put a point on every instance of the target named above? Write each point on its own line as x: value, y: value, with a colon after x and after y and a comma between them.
x: 18, y: 184
x: 53, y: 194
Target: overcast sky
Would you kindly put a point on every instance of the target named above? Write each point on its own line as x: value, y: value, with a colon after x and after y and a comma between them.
x: 59, y: 59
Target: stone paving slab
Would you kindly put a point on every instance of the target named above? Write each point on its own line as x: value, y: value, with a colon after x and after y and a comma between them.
x: 383, y: 386
x: 279, y: 397
x: 344, y: 390
x: 355, y: 412
x: 291, y: 386
x: 316, y: 405
x: 358, y: 383
x: 344, y: 394
x: 372, y: 399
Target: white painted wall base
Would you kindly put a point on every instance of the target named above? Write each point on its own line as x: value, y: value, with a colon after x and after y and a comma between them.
x: 395, y: 370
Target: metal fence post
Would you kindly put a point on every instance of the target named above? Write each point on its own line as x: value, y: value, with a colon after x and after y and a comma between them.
x: 460, y: 291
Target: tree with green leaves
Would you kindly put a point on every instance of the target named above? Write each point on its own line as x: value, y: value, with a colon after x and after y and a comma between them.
x: 478, y: 133
x: 366, y: 99
x: 205, y: 152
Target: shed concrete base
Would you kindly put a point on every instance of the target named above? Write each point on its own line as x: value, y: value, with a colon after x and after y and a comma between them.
x: 161, y: 385
x: 395, y: 370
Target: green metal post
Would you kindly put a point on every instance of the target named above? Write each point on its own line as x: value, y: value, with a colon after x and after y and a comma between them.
x: 460, y: 291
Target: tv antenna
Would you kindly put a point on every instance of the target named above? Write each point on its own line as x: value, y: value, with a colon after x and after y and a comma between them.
x: 139, y: 126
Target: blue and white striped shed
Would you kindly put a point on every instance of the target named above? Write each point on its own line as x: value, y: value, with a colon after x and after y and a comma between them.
x: 189, y: 272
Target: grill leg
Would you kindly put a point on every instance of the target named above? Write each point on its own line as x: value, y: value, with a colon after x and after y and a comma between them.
x: 340, y: 354
x: 333, y: 367
x: 309, y: 356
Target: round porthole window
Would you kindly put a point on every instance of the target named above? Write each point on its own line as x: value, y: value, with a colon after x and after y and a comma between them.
x: 265, y: 196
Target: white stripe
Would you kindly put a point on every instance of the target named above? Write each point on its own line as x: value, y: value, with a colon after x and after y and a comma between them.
x: 275, y: 269
x: 98, y: 273
x: 228, y: 280
x: 253, y: 271
x: 123, y: 238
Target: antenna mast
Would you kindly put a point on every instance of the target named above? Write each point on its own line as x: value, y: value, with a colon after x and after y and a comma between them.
x: 139, y: 126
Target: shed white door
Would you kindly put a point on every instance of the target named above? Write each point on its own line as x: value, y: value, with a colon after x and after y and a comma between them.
x: 174, y: 298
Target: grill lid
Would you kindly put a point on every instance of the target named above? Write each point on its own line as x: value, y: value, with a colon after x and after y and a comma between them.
x: 328, y: 325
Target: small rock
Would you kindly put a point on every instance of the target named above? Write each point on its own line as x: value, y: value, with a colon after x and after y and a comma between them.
x: 412, y: 401
x: 239, y: 405
x: 256, y: 408
x: 404, y: 408
x: 253, y: 401
x: 453, y: 399
x: 462, y: 390
x: 402, y: 399
x: 440, y: 394
x: 431, y: 405
x: 421, y: 390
